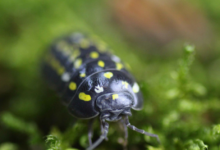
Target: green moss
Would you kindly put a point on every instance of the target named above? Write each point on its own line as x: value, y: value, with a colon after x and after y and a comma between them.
x: 20, y: 125
x: 8, y: 146
x: 196, y: 145
x: 181, y: 93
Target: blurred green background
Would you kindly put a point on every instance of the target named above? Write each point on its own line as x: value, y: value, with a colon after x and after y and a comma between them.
x: 180, y: 83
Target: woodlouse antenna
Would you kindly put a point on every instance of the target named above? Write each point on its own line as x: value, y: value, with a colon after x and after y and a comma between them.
x: 139, y: 130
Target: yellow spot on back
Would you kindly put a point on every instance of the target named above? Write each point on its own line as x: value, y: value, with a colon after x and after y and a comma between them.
x: 135, y: 88
x: 72, y: 86
x: 84, y: 97
x: 84, y: 43
x: 63, y: 46
x: 108, y: 75
x: 75, y: 54
x: 55, y: 64
x: 114, y: 96
x: 125, y: 84
x: 67, y: 50
x: 60, y: 70
x: 119, y: 66
x: 94, y: 55
x: 101, y: 63
x: 78, y: 63
x: 82, y: 75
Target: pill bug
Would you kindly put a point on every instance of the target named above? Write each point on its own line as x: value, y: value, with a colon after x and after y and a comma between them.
x: 92, y: 82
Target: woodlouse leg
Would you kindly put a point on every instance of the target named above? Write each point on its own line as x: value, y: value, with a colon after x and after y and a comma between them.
x: 102, y: 137
x: 139, y: 130
x: 90, y: 131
